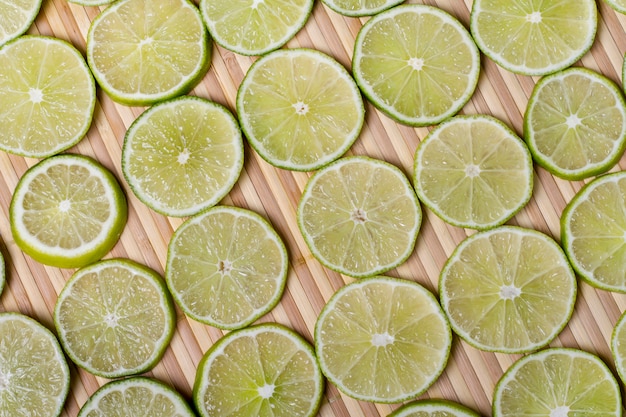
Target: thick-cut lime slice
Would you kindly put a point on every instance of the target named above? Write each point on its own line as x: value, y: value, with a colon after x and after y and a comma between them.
x: 473, y: 171
x: 226, y: 267
x: 575, y: 123
x: 433, y: 408
x: 67, y: 211
x: 593, y: 226
x: 382, y: 339
x: 508, y: 289
x: 618, y: 346
x: 47, y: 96
x: 183, y: 155
x: 254, y: 27
x: 34, y: 376
x: 359, y: 216
x: 265, y: 370
x: 16, y: 16
x: 357, y: 8
x: 534, y: 37
x: 557, y: 382
x: 115, y: 318
x: 136, y: 396
x: 144, y: 51
x: 416, y: 63
x: 300, y: 109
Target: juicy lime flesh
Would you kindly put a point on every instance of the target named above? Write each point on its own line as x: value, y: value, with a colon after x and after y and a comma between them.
x: 16, y: 16
x: 383, y: 340
x: 157, y: 55
x: 508, y: 290
x: 360, y: 217
x: 184, y: 156
x: 474, y: 172
x: 433, y: 408
x: 360, y: 7
x: 265, y: 373
x: 421, y: 82
x: 47, y: 96
x: 301, y: 109
x: 594, y: 230
x: 226, y: 268
x: 586, y: 130
x: 114, y: 319
x: 559, y: 384
x: 254, y: 27
x: 534, y: 37
x: 34, y: 377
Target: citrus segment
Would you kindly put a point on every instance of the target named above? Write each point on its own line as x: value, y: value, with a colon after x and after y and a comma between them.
x: 414, y: 81
x: 67, y: 211
x: 356, y: 8
x: 382, y: 339
x: 359, y: 216
x: 508, y: 289
x: 16, y: 16
x: 433, y: 408
x: 265, y: 370
x: 473, y: 171
x: 226, y: 267
x: 299, y: 108
x: 593, y: 226
x: 47, y: 96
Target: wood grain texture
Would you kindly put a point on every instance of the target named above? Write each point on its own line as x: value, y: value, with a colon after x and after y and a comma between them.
x: 471, y: 374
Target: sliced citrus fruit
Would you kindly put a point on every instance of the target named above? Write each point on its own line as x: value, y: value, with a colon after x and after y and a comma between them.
x: 115, y: 318
x: 34, y: 376
x: 534, y: 38
x: 575, y: 123
x: 16, y: 16
x: 3, y: 273
x: 226, y: 267
x: 142, y: 52
x: 413, y: 81
x: 90, y: 3
x: 508, y: 289
x: 265, y: 370
x: 136, y: 396
x: 183, y: 155
x: 617, y: 5
x: 254, y: 27
x: 382, y: 339
x: 433, y: 408
x: 355, y: 8
x: 618, y: 346
x: 67, y: 211
x: 473, y: 171
x: 47, y: 96
x: 593, y: 226
x: 557, y: 382
x: 359, y: 216
x: 299, y: 109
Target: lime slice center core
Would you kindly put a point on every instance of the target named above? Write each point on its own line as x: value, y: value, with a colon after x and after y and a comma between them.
x: 562, y: 411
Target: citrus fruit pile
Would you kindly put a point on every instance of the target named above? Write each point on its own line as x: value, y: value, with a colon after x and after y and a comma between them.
x: 208, y: 220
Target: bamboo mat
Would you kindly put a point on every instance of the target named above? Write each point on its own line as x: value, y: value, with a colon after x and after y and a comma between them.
x: 470, y: 375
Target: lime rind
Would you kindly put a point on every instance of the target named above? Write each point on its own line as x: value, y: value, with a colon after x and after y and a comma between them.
x: 91, y: 3
x: 433, y: 408
x: 18, y: 24
x: 617, y: 5
x: 360, y: 8
x: 462, y: 64
x: 3, y: 273
x: 599, y: 119
x: 618, y: 347
x: 319, y: 153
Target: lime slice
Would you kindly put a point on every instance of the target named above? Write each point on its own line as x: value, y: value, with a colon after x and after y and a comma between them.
x: 265, y: 370
x: 47, y: 96
x: 617, y: 5
x: 575, y: 123
x: 593, y: 226
x: 412, y: 81
x: 508, y: 290
x: 115, y: 318
x: 300, y: 109
x: 183, y: 155
x: 136, y: 396
x: 557, y: 382
x: 91, y: 2
x: 254, y: 27
x: 16, y: 16
x: 226, y: 267
x: 142, y: 52
x: 433, y: 408
x: 618, y: 346
x: 473, y: 171
x: 34, y: 376
x: 359, y: 216
x: 534, y: 37
x: 3, y: 273
x: 382, y: 339
x: 67, y: 211
x: 357, y: 8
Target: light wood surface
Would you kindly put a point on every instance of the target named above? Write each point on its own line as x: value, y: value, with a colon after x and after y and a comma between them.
x: 471, y: 374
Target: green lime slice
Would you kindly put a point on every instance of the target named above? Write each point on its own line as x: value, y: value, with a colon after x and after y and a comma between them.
x: 617, y: 5
x: 356, y: 8
x: 618, y: 346
x: 433, y: 408
x: 16, y: 16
